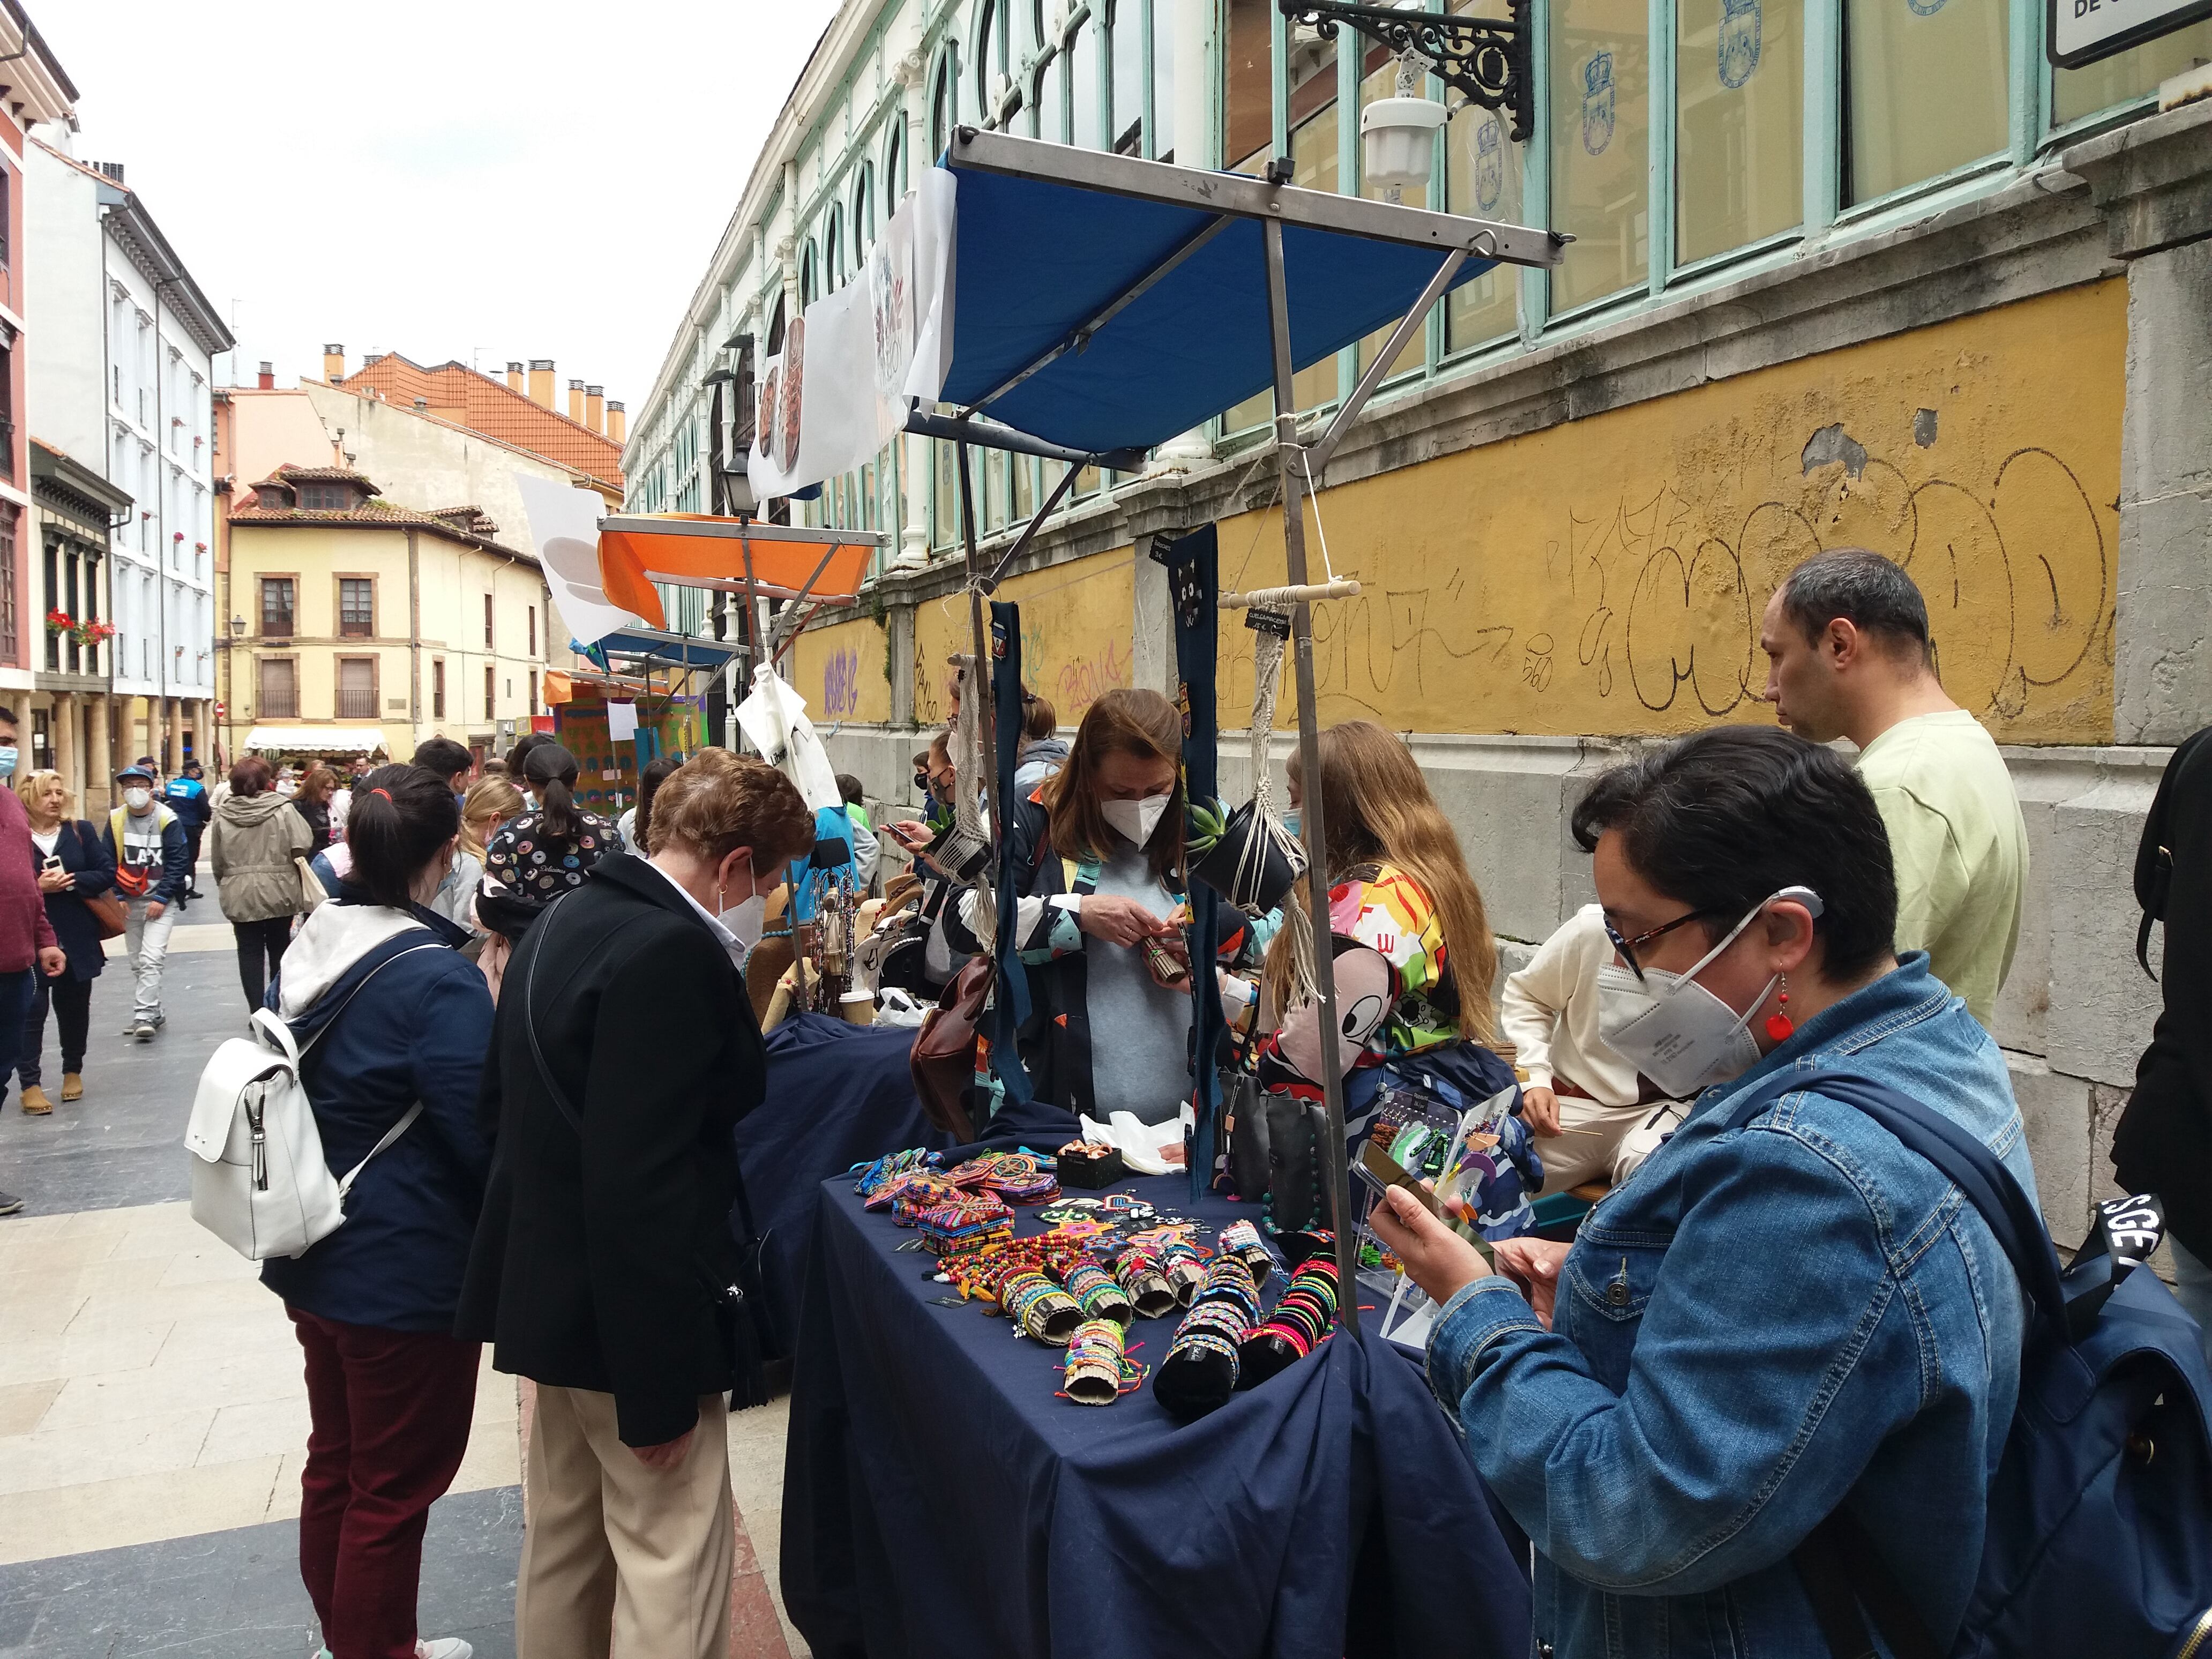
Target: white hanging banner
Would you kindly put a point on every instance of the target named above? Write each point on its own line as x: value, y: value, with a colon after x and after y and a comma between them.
x: 837, y: 392
x: 622, y: 722
x: 564, y: 528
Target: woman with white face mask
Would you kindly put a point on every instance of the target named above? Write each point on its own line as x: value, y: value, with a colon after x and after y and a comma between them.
x: 1098, y: 849
x: 1785, y: 1308
x: 624, y: 1053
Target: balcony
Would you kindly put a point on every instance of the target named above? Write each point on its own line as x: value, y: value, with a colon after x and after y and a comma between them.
x: 280, y: 706
x: 356, y: 704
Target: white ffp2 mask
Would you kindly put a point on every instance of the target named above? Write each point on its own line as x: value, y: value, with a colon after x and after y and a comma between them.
x: 1672, y: 1029
x: 1136, y: 819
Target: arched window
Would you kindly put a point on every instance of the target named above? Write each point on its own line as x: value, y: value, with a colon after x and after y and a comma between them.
x: 810, y: 272
x: 776, y: 328
x: 940, y: 106
x: 833, y: 252
x: 894, y: 162
x: 987, y: 31
x: 1052, y: 98
x: 864, y: 213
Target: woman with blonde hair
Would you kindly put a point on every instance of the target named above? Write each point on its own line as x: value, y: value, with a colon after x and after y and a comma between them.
x: 73, y: 865
x: 1399, y: 886
x: 489, y: 802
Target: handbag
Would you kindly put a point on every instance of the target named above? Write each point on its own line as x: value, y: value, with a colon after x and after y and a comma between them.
x: 311, y: 888
x: 109, y: 913
x: 260, y: 1180
x: 944, y: 1058
x: 752, y: 1339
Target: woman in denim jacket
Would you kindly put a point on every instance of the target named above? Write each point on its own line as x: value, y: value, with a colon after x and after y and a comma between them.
x: 1764, y: 1323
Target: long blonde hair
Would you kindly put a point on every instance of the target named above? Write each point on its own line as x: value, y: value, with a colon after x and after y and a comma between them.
x: 491, y: 799
x: 1376, y: 809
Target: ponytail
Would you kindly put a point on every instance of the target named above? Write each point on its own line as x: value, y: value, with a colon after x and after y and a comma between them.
x: 550, y: 772
x: 401, y: 816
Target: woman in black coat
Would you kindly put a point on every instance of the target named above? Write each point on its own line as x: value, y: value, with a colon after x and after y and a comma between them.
x: 622, y: 1055
x: 72, y: 866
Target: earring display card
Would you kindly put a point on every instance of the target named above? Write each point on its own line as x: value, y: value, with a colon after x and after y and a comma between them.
x: 1419, y: 1141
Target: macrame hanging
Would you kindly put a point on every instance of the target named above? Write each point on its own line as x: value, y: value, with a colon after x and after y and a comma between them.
x: 970, y: 831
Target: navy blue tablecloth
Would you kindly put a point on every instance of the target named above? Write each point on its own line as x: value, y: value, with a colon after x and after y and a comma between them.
x: 837, y: 1094
x: 940, y: 1500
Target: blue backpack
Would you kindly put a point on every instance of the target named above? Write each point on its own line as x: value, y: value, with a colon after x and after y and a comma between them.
x: 2099, y: 1539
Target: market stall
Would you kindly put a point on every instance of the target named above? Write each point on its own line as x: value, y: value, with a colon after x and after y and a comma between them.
x: 941, y: 1498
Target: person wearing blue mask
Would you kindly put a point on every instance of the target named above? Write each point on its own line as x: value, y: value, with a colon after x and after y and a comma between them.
x: 26, y: 937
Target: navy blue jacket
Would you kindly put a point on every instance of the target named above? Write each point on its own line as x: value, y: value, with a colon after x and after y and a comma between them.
x: 176, y: 858
x: 419, y: 1031
x: 188, y: 798
x: 84, y: 854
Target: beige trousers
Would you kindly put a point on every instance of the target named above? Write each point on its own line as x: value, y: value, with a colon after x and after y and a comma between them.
x: 614, y: 1550
x: 1590, y: 1145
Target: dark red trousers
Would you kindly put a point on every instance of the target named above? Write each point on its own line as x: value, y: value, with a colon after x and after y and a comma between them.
x: 391, y: 1412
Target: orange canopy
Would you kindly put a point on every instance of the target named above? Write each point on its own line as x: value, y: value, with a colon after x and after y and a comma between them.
x: 695, y: 550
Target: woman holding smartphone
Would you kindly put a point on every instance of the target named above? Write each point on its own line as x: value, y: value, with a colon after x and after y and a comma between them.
x: 72, y: 866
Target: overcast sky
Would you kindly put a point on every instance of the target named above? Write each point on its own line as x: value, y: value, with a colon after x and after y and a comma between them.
x: 447, y: 179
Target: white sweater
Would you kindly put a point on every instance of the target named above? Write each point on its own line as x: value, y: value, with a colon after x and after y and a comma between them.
x: 1550, y: 1013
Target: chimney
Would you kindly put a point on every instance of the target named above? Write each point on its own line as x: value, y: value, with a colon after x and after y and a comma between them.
x: 334, y: 363
x: 617, y: 423
x: 514, y: 377
x: 541, y: 381
x: 576, y: 401
x: 268, y: 378
x: 595, y: 408
x: 423, y: 402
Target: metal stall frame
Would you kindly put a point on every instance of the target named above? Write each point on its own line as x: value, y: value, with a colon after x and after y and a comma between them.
x: 1274, y: 202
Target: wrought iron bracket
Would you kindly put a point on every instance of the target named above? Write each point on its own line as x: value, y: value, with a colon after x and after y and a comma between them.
x: 1485, y: 58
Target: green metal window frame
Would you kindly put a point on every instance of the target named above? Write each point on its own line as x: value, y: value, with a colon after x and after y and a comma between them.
x: 2032, y: 134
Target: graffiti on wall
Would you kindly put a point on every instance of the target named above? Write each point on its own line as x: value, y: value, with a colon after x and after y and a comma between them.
x: 840, y: 672
x: 1609, y: 575
x: 1075, y: 637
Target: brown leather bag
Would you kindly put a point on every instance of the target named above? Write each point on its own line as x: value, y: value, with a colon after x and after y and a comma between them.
x: 944, y: 1059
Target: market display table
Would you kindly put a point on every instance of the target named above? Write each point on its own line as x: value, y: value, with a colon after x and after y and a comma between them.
x: 837, y: 1094
x: 940, y: 1499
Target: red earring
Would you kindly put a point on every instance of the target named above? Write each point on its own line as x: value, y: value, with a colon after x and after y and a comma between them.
x: 1779, y: 1025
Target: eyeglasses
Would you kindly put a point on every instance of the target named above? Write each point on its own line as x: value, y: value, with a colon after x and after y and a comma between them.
x: 1628, y: 947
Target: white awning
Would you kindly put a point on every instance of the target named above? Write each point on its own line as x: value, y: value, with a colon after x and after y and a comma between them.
x: 316, y: 739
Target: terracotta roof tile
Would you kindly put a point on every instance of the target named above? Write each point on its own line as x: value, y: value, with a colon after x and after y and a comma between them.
x: 288, y: 473
x: 378, y: 515
x: 455, y: 392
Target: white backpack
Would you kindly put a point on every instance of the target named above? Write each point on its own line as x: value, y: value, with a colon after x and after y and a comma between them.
x: 259, y: 1182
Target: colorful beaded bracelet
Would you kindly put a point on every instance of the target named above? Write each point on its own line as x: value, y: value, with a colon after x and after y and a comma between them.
x: 1039, y: 1308
x: 1098, y: 1373
x: 1101, y: 1297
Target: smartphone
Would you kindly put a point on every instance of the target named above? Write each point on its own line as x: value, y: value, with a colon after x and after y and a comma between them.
x: 53, y: 862
x: 1383, y: 1171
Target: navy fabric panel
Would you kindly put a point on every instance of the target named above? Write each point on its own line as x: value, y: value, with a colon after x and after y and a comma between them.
x: 1036, y: 260
x: 837, y: 1094
x: 940, y: 1499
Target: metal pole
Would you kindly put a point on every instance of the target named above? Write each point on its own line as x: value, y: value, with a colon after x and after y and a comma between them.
x: 1294, y: 560
x: 981, y: 685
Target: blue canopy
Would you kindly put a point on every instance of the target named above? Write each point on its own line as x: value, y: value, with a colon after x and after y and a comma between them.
x: 1039, y: 259
x: 668, y: 650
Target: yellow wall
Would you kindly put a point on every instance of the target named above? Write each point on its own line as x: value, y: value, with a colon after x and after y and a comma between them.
x: 840, y: 672
x: 1075, y: 635
x: 452, y: 579
x: 1607, y: 576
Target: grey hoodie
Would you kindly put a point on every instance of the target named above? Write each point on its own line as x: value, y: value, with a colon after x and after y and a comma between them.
x: 252, y: 843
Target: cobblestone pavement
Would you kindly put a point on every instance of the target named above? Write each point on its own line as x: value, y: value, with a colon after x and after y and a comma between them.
x: 153, y: 1414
